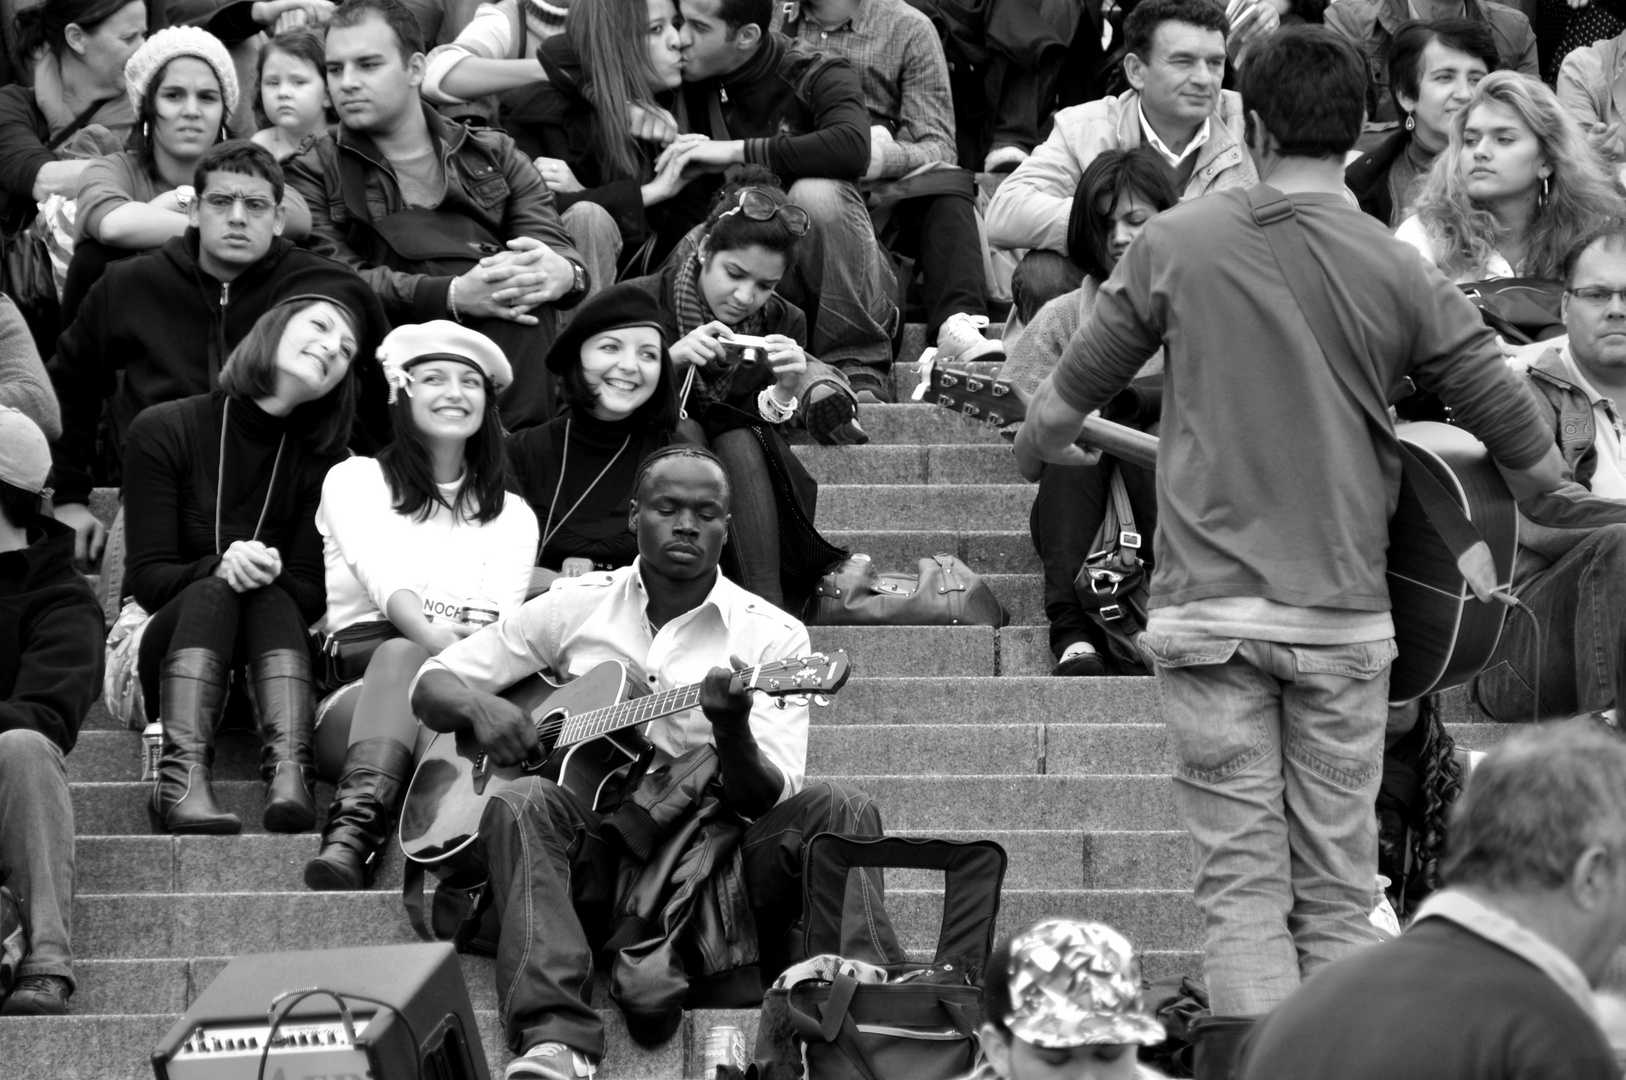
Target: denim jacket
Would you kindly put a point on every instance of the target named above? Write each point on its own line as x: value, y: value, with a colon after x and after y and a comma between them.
x: 487, y: 180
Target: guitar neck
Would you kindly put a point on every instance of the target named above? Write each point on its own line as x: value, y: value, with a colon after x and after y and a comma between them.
x: 586, y: 726
x: 1135, y: 447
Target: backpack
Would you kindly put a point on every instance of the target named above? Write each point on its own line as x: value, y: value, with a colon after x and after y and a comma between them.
x: 1421, y: 781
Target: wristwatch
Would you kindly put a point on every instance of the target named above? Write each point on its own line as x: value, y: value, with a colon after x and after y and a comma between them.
x: 580, y: 283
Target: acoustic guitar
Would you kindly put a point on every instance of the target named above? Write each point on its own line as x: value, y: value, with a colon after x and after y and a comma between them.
x: 587, y: 743
x: 1444, y: 633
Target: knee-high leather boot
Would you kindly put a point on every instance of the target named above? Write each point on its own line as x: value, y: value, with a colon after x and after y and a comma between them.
x: 191, y: 696
x: 364, y: 808
x: 280, y: 687
x: 1217, y: 1043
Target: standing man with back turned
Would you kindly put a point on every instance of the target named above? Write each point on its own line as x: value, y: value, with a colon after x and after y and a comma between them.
x: 1270, y: 623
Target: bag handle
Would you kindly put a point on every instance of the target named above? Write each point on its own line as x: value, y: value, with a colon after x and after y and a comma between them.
x: 973, y: 872
x: 834, y: 1024
x: 1274, y: 213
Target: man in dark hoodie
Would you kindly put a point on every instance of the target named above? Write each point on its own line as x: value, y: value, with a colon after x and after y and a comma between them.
x: 50, y: 671
x: 766, y: 100
x: 169, y: 318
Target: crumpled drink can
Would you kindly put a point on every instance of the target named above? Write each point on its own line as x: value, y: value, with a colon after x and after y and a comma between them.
x: 152, y: 748
x: 724, y: 1046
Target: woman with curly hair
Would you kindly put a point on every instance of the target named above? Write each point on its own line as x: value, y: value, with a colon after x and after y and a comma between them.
x: 1517, y: 186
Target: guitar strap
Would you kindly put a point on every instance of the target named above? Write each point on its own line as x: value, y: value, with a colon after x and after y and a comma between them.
x: 1273, y: 212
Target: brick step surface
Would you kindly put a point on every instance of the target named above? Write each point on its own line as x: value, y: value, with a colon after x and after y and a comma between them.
x: 916, y: 423
x: 947, y: 463
x: 115, y: 926
x: 907, y: 802
x: 914, y: 506
x: 941, y: 748
x: 871, y: 699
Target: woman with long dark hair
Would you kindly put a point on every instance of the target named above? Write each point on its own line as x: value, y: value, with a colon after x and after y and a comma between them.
x: 423, y: 546
x: 1118, y: 194
x: 717, y: 286
x: 577, y: 470
x: 220, y: 495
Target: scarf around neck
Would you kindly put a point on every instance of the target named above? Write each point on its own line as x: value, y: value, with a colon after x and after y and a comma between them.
x: 715, y: 380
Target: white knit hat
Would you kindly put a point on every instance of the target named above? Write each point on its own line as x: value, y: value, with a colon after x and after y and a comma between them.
x: 166, y: 45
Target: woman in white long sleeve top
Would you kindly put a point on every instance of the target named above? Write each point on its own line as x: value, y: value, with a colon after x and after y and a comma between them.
x: 423, y: 546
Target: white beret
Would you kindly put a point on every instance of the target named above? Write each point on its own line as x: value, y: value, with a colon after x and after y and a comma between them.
x: 414, y: 342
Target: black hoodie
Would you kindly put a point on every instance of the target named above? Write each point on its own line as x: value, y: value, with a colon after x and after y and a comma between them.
x: 169, y: 325
x: 50, y: 637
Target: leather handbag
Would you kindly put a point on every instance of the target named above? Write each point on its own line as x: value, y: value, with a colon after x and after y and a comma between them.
x: 347, y: 652
x: 920, y: 1024
x: 945, y: 592
x: 419, y: 240
x: 1113, y: 585
x: 1522, y: 310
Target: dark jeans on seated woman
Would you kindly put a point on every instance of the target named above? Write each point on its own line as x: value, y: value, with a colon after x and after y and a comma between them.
x: 1067, y: 513
x: 209, y: 615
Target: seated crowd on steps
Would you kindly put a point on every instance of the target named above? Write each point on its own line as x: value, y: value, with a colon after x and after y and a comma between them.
x: 393, y: 320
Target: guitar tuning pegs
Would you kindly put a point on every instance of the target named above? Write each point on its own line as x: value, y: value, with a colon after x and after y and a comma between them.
x: 945, y: 402
x: 779, y: 703
x: 948, y: 378
x: 1001, y: 389
x: 969, y: 410
x: 821, y: 700
x: 995, y: 420
x: 974, y: 385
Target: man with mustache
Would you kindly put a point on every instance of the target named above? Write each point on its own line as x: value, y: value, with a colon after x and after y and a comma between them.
x: 169, y: 318
x: 444, y: 221
x: 552, y: 862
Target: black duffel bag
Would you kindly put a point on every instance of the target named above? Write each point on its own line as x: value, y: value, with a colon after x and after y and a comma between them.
x: 1522, y: 310
x: 920, y: 1025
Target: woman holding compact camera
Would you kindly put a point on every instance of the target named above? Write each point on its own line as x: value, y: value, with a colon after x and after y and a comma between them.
x: 220, y: 493
x: 577, y: 470
x: 423, y: 546
x: 741, y: 360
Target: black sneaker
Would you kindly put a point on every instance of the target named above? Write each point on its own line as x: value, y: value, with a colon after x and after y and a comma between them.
x: 831, y: 421
x: 1080, y: 665
x: 38, y: 995
x: 870, y: 385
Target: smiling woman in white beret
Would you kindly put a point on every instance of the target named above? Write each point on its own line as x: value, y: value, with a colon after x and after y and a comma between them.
x: 423, y: 546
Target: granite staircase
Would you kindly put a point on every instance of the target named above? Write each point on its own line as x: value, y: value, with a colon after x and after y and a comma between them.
x: 958, y: 731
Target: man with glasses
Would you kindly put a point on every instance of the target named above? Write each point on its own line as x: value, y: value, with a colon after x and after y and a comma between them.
x: 1574, y: 580
x: 169, y: 318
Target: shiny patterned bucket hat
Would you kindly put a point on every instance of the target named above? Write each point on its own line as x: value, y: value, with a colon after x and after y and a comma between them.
x: 1077, y: 984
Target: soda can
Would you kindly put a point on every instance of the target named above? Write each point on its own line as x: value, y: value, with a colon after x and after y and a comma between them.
x: 724, y: 1046
x: 478, y: 612
x: 152, y: 748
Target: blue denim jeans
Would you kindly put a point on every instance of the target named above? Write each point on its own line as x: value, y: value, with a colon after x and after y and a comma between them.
x: 1580, y: 603
x: 36, y: 841
x: 840, y: 280
x: 1278, y: 750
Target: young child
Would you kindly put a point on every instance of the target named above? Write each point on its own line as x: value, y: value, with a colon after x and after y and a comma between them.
x: 293, y: 102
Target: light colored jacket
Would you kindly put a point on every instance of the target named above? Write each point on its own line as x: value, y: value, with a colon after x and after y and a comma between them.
x: 1031, y: 207
x: 1592, y: 82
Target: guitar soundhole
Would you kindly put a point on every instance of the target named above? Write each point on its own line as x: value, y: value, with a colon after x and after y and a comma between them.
x: 549, y: 726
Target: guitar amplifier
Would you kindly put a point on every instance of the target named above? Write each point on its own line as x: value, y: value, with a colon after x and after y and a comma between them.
x: 424, y: 1026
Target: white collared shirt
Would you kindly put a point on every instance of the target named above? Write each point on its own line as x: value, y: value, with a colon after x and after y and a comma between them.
x: 581, y: 622
x: 1162, y: 148
x: 1506, y: 932
x: 1609, y: 438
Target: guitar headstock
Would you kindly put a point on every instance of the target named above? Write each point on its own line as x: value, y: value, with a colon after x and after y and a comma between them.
x: 974, y: 390
x: 814, y: 675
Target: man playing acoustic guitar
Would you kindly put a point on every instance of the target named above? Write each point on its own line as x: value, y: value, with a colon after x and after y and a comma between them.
x: 552, y: 861
x: 1277, y: 474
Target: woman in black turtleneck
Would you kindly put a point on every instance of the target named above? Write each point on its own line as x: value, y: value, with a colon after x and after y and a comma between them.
x: 577, y: 470
x: 220, y: 493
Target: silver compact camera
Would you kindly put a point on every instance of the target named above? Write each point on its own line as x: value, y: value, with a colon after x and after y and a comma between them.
x: 744, y: 349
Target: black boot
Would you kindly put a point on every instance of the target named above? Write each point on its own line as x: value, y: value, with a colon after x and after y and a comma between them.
x: 1217, y: 1043
x: 363, y: 810
x: 191, y: 695
x: 279, y: 685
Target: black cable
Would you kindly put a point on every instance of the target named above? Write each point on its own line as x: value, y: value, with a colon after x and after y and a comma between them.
x: 349, y: 1023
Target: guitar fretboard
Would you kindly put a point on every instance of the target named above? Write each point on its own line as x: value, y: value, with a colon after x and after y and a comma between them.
x: 591, y: 725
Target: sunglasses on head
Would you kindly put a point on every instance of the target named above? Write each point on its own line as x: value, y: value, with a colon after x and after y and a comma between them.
x: 758, y: 205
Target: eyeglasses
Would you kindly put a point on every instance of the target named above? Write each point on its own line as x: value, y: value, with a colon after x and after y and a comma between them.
x: 254, y: 204
x: 1596, y: 296
x: 758, y: 205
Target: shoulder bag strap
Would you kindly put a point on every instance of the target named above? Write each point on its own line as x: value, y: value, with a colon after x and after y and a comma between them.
x: 77, y: 124
x: 1128, y: 553
x: 1273, y: 211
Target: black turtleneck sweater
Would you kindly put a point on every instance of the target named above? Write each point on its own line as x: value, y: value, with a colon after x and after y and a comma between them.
x: 172, y: 457
x: 597, y: 529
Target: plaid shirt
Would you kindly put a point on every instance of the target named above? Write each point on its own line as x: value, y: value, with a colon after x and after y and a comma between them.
x: 905, y: 76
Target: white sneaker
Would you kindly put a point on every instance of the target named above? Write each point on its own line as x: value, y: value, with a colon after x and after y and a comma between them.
x: 1004, y: 159
x: 549, y: 1061
x: 960, y: 339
